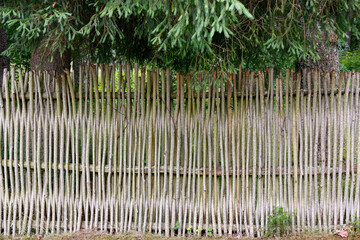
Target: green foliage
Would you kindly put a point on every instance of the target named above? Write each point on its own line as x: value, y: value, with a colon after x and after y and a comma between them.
x: 209, y: 232
x: 195, y: 21
x: 177, y: 226
x: 184, y: 35
x: 355, y: 225
x: 35, y: 23
x: 349, y: 57
x: 108, y: 30
x: 189, y: 230
x: 350, y: 61
x: 279, y: 222
x: 199, y: 230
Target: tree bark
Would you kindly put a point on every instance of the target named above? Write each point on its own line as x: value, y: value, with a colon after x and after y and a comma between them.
x: 349, y: 32
x: 76, y: 61
x: 4, y: 61
x: 41, y: 60
x: 327, y: 47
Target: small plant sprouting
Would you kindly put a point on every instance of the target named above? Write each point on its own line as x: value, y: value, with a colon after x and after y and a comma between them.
x: 177, y: 226
x: 354, y: 226
x: 279, y: 222
x: 189, y: 229
x: 199, y: 230
x: 209, y: 232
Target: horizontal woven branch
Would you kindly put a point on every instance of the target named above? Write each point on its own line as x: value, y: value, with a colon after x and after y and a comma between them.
x: 181, y: 171
x: 239, y: 94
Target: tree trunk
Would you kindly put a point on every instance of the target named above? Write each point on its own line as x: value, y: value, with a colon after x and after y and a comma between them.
x: 327, y: 48
x: 349, y: 32
x: 76, y: 67
x: 41, y: 60
x: 4, y: 61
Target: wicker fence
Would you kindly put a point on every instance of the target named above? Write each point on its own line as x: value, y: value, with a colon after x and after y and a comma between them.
x: 128, y: 149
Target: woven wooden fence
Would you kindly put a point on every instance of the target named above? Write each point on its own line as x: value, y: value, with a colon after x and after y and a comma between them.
x: 129, y: 149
